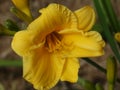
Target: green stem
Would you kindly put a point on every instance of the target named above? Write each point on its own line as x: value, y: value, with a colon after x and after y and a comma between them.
x: 5, y: 31
x: 110, y: 87
x: 8, y: 32
x: 95, y: 65
x: 98, y: 67
x: 10, y: 63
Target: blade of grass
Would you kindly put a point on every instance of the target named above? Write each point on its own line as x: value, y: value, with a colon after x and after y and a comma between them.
x: 111, y: 15
x: 106, y: 31
x: 95, y: 65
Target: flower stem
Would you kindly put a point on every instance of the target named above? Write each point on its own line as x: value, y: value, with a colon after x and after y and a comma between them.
x: 110, y: 87
x: 5, y: 31
x: 98, y: 67
x: 10, y: 63
x: 95, y: 65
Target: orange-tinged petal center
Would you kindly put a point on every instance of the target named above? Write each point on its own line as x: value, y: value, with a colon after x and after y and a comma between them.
x: 53, y: 42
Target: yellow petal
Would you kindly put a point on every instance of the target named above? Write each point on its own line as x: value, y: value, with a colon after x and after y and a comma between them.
x: 70, y: 70
x: 23, y: 41
x: 53, y: 18
x: 86, y: 18
x: 42, y: 69
x: 79, y: 44
x: 23, y: 5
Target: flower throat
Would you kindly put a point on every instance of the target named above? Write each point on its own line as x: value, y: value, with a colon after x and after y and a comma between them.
x: 53, y: 41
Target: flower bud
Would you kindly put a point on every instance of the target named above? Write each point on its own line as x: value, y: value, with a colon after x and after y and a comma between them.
x: 117, y: 36
x: 111, y: 72
x: 21, y: 15
x: 23, y: 5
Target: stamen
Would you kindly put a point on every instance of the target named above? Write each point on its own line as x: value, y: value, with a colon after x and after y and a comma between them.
x: 53, y: 41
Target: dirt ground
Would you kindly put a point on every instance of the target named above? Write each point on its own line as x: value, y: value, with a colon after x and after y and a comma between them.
x: 11, y: 77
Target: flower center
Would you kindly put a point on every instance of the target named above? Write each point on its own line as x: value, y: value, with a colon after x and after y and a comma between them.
x: 53, y: 41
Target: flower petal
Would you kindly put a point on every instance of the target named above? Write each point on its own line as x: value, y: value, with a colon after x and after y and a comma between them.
x: 79, y: 44
x: 70, y: 70
x: 53, y: 18
x: 42, y: 69
x: 86, y: 18
x: 25, y: 40
x: 23, y: 5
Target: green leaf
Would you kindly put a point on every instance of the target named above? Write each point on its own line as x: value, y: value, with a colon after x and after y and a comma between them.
x: 98, y: 28
x: 108, y: 35
x: 113, y: 20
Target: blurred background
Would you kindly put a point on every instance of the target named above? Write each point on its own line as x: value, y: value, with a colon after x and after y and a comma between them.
x: 11, y: 77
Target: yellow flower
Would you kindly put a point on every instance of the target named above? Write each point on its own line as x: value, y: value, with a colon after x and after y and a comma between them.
x: 117, y: 36
x: 23, y: 5
x: 52, y: 43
